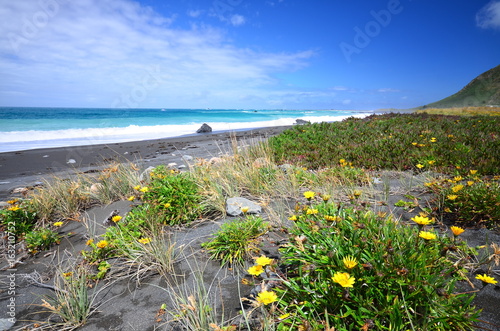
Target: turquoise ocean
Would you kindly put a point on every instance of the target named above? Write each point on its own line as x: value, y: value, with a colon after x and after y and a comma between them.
x: 31, y: 128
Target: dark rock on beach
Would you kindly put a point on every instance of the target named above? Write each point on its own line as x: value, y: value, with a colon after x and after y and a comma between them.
x: 205, y: 128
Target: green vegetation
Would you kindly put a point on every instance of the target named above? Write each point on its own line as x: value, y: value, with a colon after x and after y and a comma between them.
x: 415, y: 142
x: 19, y: 218
x: 40, y: 239
x: 236, y: 240
x: 483, y: 90
x: 350, y: 269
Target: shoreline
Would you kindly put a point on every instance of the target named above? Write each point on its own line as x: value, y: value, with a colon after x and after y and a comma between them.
x: 29, y: 167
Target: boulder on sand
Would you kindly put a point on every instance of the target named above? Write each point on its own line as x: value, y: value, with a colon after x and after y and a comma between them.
x: 234, y: 205
x: 204, y: 128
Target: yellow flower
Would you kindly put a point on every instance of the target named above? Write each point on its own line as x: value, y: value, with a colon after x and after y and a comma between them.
x: 13, y: 208
x: 263, y: 261
x: 349, y: 262
x: 102, y: 244
x: 144, y: 189
x: 116, y: 218
x: 457, y: 178
x: 420, y: 166
x: 414, y: 144
x: 333, y: 218
x: 309, y: 195
x: 13, y: 201
x: 166, y: 205
x: 267, y: 297
x: 473, y: 172
x: 421, y: 220
x: 357, y: 193
x: 447, y: 210
x: 245, y: 209
x: 456, y: 230
x: 427, y: 235
x: 344, y: 279
x: 310, y: 211
x: 137, y: 187
x: 452, y: 197
x: 58, y: 224
x: 486, y: 279
x: 433, y: 140
x: 131, y: 198
x: 431, y: 162
x: 457, y: 188
x: 326, y: 197
x: 284, y: 316
x: 89, y: 242
x: 293, y: 218
x: 144, y: 241
x: 256, y: 270
x: 470, y: 183
x: 67, y: 274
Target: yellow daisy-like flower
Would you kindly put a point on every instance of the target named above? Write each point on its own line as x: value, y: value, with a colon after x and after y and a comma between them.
x: 486, y: 279
x: 452, y: 197
x: 58, y: 224
x: 167, y: 205
x: 420, y: 166
x: 326, y: 197
x: 431, y: 162
x: 310, y: 211
x: 433, y: 140
x: 456, y: 230
x: 13, y: 208
x: 263, y: 261
x: 144, y: 189
x: 470, y: 182
x: 102, y: 244
x: 333, y: 218
x: 131, y: 198
x: 427, y: 235
x: 293, y: 218
x: 447, y: 210
x: 344, y: 279
x: 245, y: 209
x: 414, y: 144
x: 13, y: 201
x: 89, y: 242
x: 350, y: 262
x: 144, y: 241
x: 420, y: 220
x: 309, y: 195
x: 457, y: 178
x: 457, y: 188
x: 267, y: 297
x: 137, y: 187
x: 255, y: 270
x: 473, y: 172
x: 67, y: 274
x: 116, y: 218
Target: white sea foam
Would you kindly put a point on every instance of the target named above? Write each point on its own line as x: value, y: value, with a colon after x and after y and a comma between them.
x: 24, y: 140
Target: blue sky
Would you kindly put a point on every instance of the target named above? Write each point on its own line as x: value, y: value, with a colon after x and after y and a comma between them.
x: 293, y: 54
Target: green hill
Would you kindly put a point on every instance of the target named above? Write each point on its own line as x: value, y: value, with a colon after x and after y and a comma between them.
x: 484, y: 90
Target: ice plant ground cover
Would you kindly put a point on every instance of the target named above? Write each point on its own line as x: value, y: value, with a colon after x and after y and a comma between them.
x: 401, y: 280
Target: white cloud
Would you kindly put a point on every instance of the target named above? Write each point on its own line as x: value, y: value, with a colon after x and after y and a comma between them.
x: 195, y: 13
x: 237, y: 20
x: 97, y: 53
x: 489, y: 16
x: 387, y: 90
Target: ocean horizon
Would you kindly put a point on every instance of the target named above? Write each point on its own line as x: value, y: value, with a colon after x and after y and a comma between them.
x: 24, y: 128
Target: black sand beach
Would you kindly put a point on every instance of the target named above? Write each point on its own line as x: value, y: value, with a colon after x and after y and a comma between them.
x: 26, y: 168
